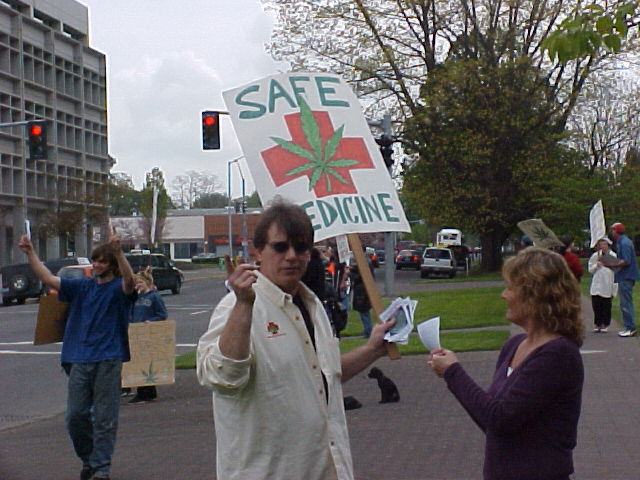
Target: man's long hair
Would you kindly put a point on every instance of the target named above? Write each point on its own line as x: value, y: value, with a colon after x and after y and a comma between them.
x: 105, y: 251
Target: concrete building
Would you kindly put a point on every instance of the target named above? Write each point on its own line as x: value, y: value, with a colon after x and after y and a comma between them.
x: 48, y: 71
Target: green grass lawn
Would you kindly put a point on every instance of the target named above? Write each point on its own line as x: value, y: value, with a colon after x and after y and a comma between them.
x: 467, y: 308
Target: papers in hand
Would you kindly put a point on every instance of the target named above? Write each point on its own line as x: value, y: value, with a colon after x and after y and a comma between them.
x: 402, y: 309
x: 429, y: 333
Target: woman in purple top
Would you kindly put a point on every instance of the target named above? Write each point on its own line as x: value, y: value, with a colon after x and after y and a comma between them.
x: 530, y: 412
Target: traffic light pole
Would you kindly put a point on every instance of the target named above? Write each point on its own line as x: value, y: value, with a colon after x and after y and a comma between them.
x: 389, y: 237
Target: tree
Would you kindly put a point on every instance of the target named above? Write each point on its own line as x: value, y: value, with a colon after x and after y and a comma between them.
x: 488, y: 144
x: 490, y: 169
x: 154, y: 180
x: 124, y: 199
x: 187, y: 188
x: 211, y: 200
x: 591, y: 29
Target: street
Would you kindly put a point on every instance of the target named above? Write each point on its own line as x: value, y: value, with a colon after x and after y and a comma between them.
x: 34, y: 384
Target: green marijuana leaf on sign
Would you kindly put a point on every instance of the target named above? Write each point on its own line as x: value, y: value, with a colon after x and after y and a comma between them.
x: 540, y: 233
x: 320, y: 157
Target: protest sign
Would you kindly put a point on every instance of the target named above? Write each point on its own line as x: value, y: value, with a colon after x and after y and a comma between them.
x: 596, y: 223
x: 305, y: 139
x: 152, y: 346
x: 52, y: 319
x: 539, y: 233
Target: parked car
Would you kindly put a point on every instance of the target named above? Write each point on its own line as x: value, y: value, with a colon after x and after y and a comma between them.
x: 408, y: 259
x: 166, y: 275
x: 73, y: 272
x: 371, y: 253
x: 438, y: 261
x: 381, y: 256
x: 204, y: 257
x: 19, y: 281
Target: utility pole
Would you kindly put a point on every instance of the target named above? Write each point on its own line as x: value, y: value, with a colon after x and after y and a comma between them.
x: 389, y: 237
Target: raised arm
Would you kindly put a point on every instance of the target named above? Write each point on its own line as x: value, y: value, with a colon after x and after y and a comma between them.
x: 235, y: 338
x: 128, y: 285
x: 42, y: 272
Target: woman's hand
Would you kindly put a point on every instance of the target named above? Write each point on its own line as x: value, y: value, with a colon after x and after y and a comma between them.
x: 440, y: 360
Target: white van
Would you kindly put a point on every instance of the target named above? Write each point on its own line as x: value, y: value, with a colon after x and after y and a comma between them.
x: 438, y: 261
x: 448, y: 236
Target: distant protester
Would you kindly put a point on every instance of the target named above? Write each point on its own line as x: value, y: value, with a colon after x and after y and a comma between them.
x: 603, y: 288
x: 530, y: 412
x: 625, y: 276
x: 149, y: 307
x: 573, y: 261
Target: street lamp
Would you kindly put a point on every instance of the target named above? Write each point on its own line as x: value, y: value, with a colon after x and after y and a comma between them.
x: 230, y: 208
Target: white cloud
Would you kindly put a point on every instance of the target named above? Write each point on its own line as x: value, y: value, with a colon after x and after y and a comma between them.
x: 168, y: 61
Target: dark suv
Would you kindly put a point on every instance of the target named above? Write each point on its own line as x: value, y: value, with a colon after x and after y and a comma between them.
x: 166, y: 275
x: 19, y: 281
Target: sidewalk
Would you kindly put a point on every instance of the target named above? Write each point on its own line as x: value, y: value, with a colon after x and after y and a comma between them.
x: 427, y: 435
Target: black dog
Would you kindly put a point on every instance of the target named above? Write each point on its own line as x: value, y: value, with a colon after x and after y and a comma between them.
x: 388, y: 389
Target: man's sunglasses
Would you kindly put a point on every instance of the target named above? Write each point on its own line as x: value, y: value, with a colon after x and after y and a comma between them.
x: 282, y: 247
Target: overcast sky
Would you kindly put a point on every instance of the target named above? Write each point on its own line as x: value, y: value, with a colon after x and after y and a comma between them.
x: 167, y: 61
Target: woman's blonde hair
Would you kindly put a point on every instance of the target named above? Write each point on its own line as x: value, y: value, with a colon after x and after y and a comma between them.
x: 146, y: 276
x: 547, y: 290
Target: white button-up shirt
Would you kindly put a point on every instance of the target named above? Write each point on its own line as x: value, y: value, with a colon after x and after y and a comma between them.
x: 270, y: 410
x: 602, y: 283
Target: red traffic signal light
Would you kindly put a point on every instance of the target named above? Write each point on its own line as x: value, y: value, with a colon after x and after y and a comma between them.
x: 210, y: 130
x: 37, y: 140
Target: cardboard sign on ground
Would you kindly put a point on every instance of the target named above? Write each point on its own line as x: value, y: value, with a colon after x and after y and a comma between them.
x: 153, y: 347
x: 52, y: 318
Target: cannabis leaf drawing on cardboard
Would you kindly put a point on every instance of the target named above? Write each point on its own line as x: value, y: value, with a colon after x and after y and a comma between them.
x: 150, y: 376
x: 540, y: 234
x: 317, y: 153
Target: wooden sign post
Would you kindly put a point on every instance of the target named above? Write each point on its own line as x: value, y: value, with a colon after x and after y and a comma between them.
x: 370, y: 286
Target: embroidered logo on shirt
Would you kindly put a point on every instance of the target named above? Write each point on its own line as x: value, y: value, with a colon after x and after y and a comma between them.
x: 273, y: 328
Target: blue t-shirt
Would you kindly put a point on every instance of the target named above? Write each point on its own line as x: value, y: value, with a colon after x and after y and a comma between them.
x: 626, y: 252
x: 98, y: 320
x: 149, y: 307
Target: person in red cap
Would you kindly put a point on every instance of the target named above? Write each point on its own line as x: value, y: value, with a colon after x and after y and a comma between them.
x: 626, y: 276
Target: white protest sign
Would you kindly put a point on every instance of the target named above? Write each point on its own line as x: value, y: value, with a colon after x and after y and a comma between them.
x: 305, y: 139
x: 596, y: 222
x: 344, y: 254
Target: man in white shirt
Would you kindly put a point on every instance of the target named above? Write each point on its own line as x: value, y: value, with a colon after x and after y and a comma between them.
x: 274, y: 365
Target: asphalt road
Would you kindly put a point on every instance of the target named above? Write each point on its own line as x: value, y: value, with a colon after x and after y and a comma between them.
x: 34, y: 385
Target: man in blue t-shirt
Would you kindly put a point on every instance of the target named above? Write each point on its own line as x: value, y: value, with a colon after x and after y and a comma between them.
x: 625, y: 277
x: 95, y: 344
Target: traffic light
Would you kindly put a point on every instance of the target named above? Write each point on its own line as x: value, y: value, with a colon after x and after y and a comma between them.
x: 386, y: 149
x: 37, y: 140
x: 210, y: 130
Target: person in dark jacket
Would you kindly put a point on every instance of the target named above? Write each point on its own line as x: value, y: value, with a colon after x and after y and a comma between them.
x: 314, y: 276
x: 530, y: 412
x: 360, y: 301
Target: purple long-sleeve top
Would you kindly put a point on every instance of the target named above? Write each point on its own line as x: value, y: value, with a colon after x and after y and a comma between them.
x: 530, y: 417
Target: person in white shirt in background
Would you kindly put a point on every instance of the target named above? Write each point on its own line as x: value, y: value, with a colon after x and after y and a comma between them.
x: 273, y: 363
x: 603, y: 287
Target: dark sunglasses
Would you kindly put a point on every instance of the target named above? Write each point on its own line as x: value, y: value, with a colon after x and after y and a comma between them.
x: 282, y: 247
